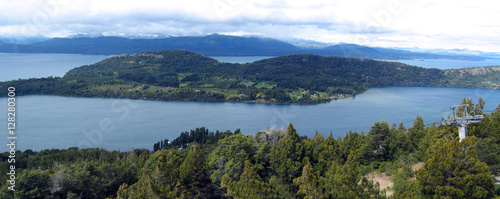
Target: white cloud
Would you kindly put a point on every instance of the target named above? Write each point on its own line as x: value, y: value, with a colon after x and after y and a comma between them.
x: 389, y: 23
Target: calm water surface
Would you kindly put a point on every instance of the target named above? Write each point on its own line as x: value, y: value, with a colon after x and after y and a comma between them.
x: 240, y: 60
x: 61, y: 122
x: 117, y: 124
x: 36, y: 65
x: 447, y: 63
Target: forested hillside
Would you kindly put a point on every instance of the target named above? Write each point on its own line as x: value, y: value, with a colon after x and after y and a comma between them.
x: 276, y: 163
x: 181, y: 75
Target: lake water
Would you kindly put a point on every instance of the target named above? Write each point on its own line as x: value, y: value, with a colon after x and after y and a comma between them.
x: 240, y: 60
x: 447, y: 63
x: 35, y: 65
x: 118, y: 124
x: 61, y: 122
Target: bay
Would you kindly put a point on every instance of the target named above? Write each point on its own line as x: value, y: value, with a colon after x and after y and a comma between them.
x: 118, y: 124
x: 447, y: 63
x: 239, y: 59
x: 35, y: 65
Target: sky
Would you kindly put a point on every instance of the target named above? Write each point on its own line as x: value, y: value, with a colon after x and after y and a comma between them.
x: 428, y: 24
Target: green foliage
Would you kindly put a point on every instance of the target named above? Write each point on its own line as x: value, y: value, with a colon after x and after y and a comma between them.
x: 275, y: 163
x: 341, y: 181
x: 230, y: 155
x: 283, y: 189
x: 192, y: 173
x: 365, y: 169
x: 320, y: 151
x: 417, y: 131
x: 308, y: 183
x: 33, y: 184
x: 455, y: 171
x: 199, y: 135
x: 161, y: 181
x: 86, y: 173
x: 249, y: 185
x: 487, y: 150
x: 181, y: 75
x: 474, y: 109
x: 286, y: 156
x: 358, y: 143
x: 402, y: 183
x: 477, y: 77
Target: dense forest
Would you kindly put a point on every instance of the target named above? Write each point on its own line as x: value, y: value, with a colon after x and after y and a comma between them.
x: 180, y: 75
x: 276, y: 163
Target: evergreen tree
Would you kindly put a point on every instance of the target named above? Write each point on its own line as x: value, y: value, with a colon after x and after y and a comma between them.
x: 162, y: 181
x: 249, y: 186
x: 473, y: 109
x: 32, y: 184
x: 308, y: 183
x: 262, y: 160
x: 402, y: 183
x: 416, y: 132
x: 320, y: 152
x: 286, y: 157
x: 362, y: 147
x: 192, y: 173
x: 396, y: 143
x: 379, y: 136
x: 342, y: 181
x: 454, y: 171
x: 230, y: 155
x: 379, y: 132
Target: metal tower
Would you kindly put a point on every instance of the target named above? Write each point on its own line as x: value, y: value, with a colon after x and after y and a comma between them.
x: 461, y: 118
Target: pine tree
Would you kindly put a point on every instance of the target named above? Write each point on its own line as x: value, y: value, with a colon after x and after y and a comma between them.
x: 250, y: 185
x: 229, y: 156
x: 416, y: 132
x: 454, y: 171
x: 341, y: 181
x: 321, y: 152
x: 33, y: 184
x: 286, y: 157
x: 192, y: 173
x: 161, y: 182
x: 308, y: 183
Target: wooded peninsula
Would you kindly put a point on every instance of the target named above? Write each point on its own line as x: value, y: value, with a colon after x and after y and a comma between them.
x: 180, y: 75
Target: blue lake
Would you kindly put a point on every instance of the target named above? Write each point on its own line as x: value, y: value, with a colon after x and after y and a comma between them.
x: 447, y: 63
x: 118, y: 124
x: 35, y: 65
x: 239, y: 60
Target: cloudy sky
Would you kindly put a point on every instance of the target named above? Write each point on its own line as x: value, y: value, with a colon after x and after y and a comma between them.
x: 445, y: 24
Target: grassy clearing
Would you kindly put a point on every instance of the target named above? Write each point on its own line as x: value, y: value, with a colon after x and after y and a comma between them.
x: 266, y: 85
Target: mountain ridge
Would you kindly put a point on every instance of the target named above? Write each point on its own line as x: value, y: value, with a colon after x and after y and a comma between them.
x: 214, y: 45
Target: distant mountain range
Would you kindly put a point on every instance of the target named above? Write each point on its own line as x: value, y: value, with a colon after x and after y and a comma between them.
x: 214, y: 45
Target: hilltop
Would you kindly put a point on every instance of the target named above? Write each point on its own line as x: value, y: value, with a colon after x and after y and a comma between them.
x: 182, y: 75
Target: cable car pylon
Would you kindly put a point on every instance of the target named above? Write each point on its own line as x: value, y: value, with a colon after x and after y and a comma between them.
x: 461, y: 118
